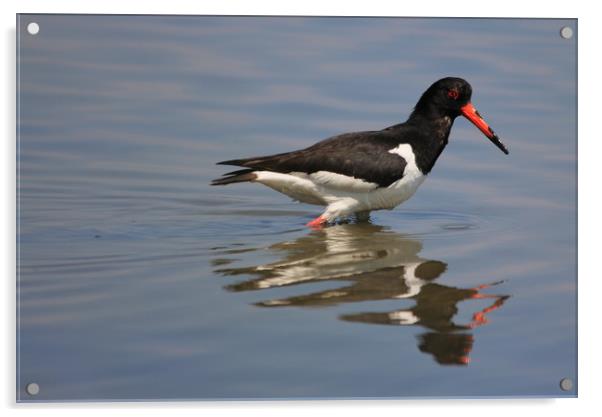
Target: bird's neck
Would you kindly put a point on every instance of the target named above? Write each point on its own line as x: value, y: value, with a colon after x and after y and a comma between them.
x: 434, y: 134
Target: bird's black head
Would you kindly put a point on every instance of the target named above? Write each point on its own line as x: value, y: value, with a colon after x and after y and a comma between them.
x: 448, y: 98
x: 445, y: 97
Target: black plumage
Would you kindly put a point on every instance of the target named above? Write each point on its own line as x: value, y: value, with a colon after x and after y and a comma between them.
x: 362, y: 155
x: 366, y: 155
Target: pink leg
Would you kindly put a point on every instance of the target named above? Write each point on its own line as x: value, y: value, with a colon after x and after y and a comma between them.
x: 317, y: 223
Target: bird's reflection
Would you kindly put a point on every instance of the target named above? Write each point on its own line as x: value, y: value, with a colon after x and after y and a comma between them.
x: 373, y: 263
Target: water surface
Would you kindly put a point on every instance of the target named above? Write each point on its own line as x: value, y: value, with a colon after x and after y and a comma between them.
x: 137, y: 280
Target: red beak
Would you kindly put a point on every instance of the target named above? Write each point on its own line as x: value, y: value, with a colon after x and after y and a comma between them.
x: 473, y: 115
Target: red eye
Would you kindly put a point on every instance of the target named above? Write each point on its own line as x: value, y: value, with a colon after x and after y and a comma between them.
x: 453, y: 94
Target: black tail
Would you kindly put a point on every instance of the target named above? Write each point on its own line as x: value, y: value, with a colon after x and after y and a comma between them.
x: 242, y: 175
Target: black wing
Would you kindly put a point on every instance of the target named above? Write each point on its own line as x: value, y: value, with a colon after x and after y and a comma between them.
x: 363, y: 155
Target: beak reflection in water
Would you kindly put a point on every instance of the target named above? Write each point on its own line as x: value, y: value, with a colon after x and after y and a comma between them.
x: 373, y: 263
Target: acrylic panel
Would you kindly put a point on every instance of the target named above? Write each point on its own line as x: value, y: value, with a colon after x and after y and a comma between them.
x: 139, y: 280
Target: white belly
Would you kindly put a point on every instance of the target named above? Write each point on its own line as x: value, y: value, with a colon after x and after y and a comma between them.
x: 306, y: 190
x: 395, y: 194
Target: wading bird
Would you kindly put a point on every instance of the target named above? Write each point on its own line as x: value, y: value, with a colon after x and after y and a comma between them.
x: 355, y: 173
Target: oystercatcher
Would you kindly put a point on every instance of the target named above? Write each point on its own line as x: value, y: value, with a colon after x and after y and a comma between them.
x: 357, y: 172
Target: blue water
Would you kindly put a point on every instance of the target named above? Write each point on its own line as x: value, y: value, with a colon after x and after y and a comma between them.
x: 137, y: 280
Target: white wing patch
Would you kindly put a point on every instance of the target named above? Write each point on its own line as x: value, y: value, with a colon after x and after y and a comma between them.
x: 403, y: 188
x: 410, y: 279
x: 406, y: 152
